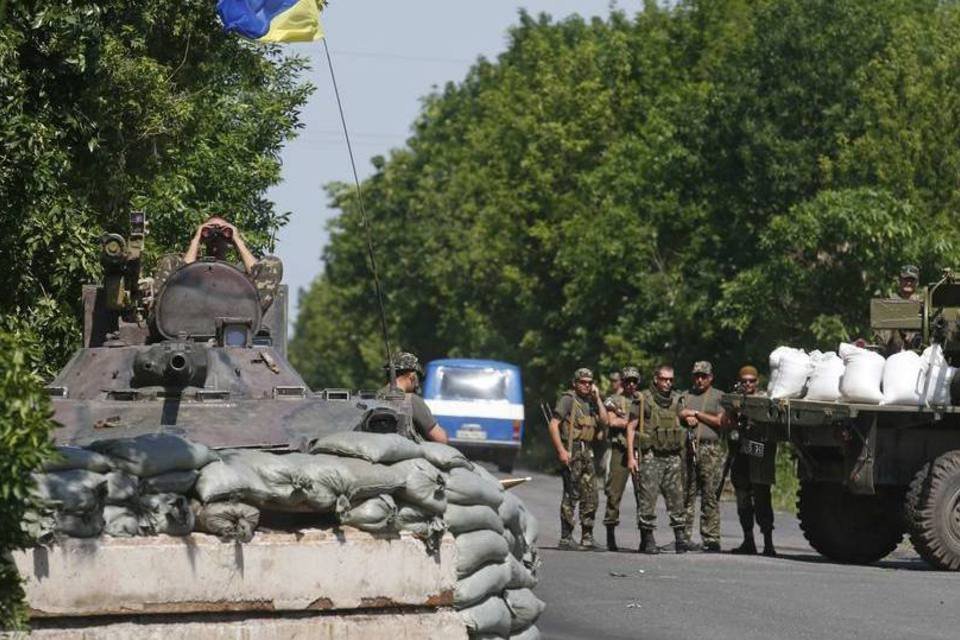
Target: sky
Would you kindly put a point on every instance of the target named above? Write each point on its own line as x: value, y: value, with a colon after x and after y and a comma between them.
x: 386, y: 56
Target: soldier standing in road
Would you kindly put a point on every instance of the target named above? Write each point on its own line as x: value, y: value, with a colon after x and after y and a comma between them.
x: 577, y: 417
x: 753, y: 471
x: 703, y: 415
x: 657, y: 433
x: 619, y: 406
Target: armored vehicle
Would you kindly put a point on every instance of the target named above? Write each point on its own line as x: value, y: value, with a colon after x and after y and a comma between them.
x: 869, y: 474
x: 199, y: 357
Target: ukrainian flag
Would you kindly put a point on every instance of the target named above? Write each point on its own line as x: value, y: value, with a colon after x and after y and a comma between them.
x: 272, y: 20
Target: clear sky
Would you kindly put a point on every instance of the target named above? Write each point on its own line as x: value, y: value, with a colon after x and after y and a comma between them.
x: 386, y: 55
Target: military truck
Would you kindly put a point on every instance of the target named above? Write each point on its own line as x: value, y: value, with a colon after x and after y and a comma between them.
x: 869, y: 474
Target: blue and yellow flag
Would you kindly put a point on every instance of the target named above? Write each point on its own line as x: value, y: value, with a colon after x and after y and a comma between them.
x: 272, y: 20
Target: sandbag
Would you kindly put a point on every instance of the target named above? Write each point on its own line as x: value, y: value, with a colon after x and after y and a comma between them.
x: 67, y: 458
x: 375, y: 515
x: 509, y: 512
x: 825, y: 374
x: 789, y: 370
x: 170, y: 482
x: 463, y: 519
x: 485, y: 581
x: 491, y: 616
x: 520, y: 576
x: 939, y: 375
x: 154, y: 453
x: 80, y: 525
x: 530, y: 633
x: 75, y: 490
x: 284, y: 479
x: 903, y: 381
x: 443, y: 456
x: 373, y: 447
x: 418, y: 521
x: 478, y: 548
x: 524, y: 606
x: 120, y: 521
x: 530, y: 527
x: 122, y: 488
x: 227, y: 520
x: 366, y: 479
x: 423, y: 485
x: 515, y: 544
x: 167, y: 513
x: 222, y: 481
x: 481, y: 471
x: 862, y: 375
x: 464, y: 487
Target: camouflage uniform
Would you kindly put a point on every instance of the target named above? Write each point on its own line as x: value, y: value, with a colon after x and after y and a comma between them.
x: 579, y: 479
x: 265, y: 275
x: 618, y: 474
x: 703, y: 475
x: 661, y: 465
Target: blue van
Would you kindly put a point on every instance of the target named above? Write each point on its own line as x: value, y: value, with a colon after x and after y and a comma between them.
x: 479, y: 403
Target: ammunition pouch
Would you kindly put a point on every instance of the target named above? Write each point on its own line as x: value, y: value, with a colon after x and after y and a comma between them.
x: 584, y: 429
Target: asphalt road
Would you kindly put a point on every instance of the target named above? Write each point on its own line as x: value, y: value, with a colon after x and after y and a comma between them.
x: 717, y: 596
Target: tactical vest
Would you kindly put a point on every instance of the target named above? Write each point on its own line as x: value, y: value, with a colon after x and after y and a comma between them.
x: 623, y: 404
x: 662, y: 432
x: 583, y: 425
x: 402, y: 404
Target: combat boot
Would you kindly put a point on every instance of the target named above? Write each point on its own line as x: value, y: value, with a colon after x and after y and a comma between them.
x: 647, y: 543
x: 747, y: 548
x: 768, y: 549
x: 681, y: 545
x: 567, y: 544
x: 587, y: 543
x: 712, y: 546
x: 612, y: 538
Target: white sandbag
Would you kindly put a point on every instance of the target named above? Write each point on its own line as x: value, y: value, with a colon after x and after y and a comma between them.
x: 75, y: 490
x: 467, y: 488
x: 491, y: 616
x: 903, y: 382
x: 230, y: 521
x: 862, y: 375
x: 443, y: 456
x: 826, y: 372
x: 375, y: 515
x: 221, y: 481
x: 373, y: 447
x: 525, y: 608
x: 509, y: 512
x: 154, y: 453
x: 120, y: 521
x: 463, y: 519
x: 423, y: 485
x: 485, y: 581
x: 170, y: 482
x: 478, y: 548
x: 520, y: 576
x: 939, y: 375
x: 67, y: 458
x: 530, y: 633
x: 789, y: 370
x: 167, y: 513
x: 122, y: 488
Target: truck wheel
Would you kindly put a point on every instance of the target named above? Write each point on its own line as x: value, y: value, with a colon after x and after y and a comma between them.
x: 933, y: 512
x: 849, y: 528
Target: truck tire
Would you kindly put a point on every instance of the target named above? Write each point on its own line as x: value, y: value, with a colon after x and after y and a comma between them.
x: 849, y: 528
x: 932, y: 509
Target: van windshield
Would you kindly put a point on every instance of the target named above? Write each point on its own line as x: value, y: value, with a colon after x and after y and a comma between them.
x: 472, y: 384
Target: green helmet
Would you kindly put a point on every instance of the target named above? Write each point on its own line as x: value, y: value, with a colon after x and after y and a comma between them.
x: 403, y: 362
x: 630, y: 372
x: 582, y: 373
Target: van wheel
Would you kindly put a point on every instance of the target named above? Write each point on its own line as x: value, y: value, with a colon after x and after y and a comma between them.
x: 506, y: 462
x: 932, y: 510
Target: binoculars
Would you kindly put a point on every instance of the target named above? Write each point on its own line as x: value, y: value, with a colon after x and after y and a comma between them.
x: 213, y: 232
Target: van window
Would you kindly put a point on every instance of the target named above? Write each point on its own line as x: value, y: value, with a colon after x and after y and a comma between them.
x: 472, y: 384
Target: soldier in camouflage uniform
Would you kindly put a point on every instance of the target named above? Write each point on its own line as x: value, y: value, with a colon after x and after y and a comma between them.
x: 619, y: 408
x: 217, y: 236
x: 421, y: 425
x: 577, y: 417
x: 655, y: 429
x: 703, y: 415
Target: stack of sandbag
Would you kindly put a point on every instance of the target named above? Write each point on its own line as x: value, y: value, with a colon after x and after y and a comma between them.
x: 862, y: 375
x: 148, y: 488
x: 69, y: 494
x: 826, y: 370
x: 937, y: 377
x: 789, y: 370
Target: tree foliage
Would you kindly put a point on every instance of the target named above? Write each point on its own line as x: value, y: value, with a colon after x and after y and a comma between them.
x: 114, y: 104
x: 703, y: 181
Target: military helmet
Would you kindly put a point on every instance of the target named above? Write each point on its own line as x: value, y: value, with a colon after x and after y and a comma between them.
x: 630, y: 372
x: 404, y: 361
x: 582, y: 373
x: 910, y: 271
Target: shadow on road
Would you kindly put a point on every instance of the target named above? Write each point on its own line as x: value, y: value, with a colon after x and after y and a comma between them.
x: 906, y: 564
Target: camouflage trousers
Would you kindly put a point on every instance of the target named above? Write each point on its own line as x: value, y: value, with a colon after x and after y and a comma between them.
x: 579, y: 488
x: 661, y: 474
x: 703, y: 478
x: 617, y: 476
